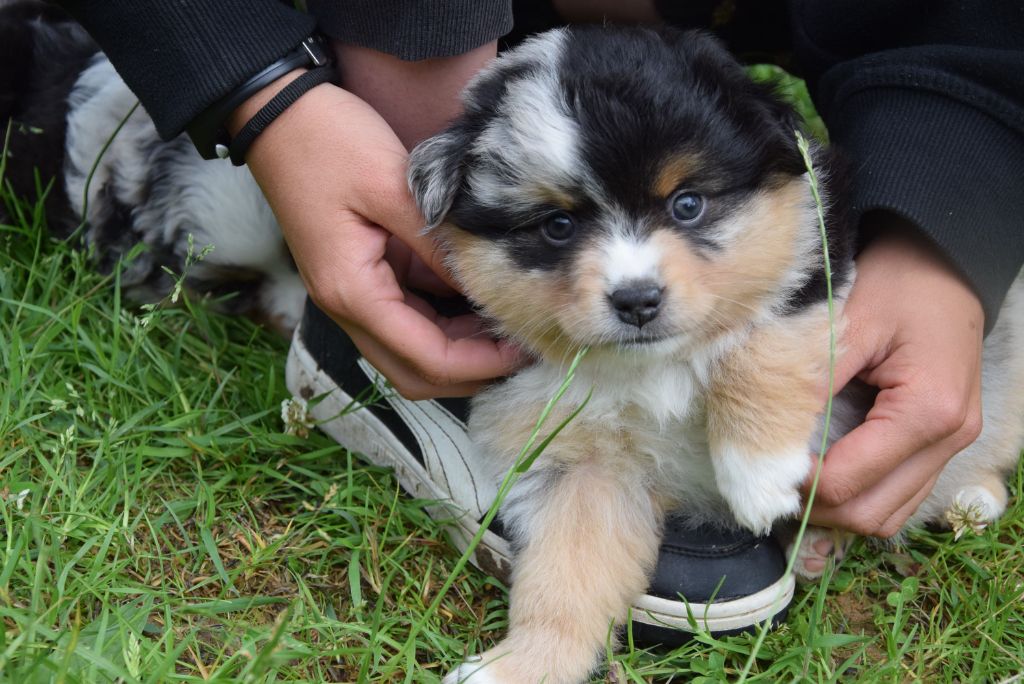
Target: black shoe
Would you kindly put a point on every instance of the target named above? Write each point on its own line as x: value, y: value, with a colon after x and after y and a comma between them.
x: 731, y: 581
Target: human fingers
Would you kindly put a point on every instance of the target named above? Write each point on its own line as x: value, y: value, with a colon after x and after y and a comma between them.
x: 896, y: 522
x: 922, y: 350
x: 422, y: 353
x: 412, y: 271
x: 455, y: 327
x: 418, y: 99
x: 390, y: 204
x: 405, y: 381
x: 882, y: 510
x: 424, y: 347
x: 921, y: 408
x: 422, y: 361
x: 328, y: 158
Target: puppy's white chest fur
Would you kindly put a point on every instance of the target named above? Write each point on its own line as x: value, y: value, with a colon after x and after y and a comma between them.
x: 644, y: 417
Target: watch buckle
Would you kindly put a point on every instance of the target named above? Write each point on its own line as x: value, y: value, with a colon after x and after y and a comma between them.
x: 318, y: 57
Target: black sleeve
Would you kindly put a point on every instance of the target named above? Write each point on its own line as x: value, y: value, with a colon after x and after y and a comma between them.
x: 414, y: 30
x: 926, y: 98
x: 181, y: 56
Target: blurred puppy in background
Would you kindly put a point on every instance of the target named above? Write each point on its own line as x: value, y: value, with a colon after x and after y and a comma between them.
x: 66, y: 101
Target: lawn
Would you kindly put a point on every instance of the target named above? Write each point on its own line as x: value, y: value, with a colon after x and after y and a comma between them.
x: 158, y: 524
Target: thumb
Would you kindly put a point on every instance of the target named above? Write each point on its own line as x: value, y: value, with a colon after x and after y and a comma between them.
x: 431, y: 253
x: 403, y: 219
x: 858, y: 349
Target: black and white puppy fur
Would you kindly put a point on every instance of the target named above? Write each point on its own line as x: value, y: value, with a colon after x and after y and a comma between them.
x: 624, y: 190
x: 66, y: 101
x: 635, y: 193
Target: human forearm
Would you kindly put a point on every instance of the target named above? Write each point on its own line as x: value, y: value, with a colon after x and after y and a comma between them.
x: 416, y: 98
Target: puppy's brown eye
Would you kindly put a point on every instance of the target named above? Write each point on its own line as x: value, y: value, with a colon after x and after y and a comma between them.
x: 687, y: 207
x: 558, y: 228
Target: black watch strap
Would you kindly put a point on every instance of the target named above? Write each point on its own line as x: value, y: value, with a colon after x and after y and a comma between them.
x: 283, y: 100
x: 208, y: 132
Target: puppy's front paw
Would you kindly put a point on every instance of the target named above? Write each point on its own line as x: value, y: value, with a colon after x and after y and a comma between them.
x: 473, y: 671
x: 761, y: 488
x: 516, y: 662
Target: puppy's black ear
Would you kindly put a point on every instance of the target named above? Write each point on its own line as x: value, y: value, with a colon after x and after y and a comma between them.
x: 437, y: 171
x: 755, y: 107
x: 782, y: 122
x: 781, y: 111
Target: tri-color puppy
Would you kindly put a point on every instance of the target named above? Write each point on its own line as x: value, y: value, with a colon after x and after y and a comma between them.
x: 66, y: 102
x: 635, y: 193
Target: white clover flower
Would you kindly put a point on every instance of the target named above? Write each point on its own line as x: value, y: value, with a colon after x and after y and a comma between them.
x: 296, y: 418
x: 962, y: 518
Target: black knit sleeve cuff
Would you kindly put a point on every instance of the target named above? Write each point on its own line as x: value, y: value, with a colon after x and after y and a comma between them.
x: 951, y: 170
x: 180, y: 57
x: 414, y: 30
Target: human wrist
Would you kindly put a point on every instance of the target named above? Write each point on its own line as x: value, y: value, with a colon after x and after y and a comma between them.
x: 416, y: 98
x: 269, y: 113
x: 895, y: 235
x: 900, y: 258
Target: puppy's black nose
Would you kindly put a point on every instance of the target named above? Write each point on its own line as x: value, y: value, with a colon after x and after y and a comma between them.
x: 637, y: 303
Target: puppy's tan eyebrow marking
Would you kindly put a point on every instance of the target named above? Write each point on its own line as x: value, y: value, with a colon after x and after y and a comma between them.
x: 674, y: 171
x: 554, y: 196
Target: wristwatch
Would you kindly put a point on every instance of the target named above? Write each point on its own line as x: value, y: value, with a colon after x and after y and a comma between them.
x: 208, y: 131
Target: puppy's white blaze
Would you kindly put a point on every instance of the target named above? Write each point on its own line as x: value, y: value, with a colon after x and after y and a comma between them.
x: 628, y: 259
x: 542, y: 50
x: 760, y: 488
x: 493, y: 190
x: 535, y: 137
x: 541, y: 125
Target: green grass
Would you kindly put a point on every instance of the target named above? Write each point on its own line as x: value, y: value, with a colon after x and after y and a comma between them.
x: 157, y: 524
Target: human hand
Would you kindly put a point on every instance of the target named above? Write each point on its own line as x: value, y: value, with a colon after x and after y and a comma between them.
x: 914, y: 330
x: 334, y: 174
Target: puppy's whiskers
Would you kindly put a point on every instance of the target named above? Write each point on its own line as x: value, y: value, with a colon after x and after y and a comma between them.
x: 749, y: 307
